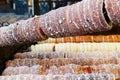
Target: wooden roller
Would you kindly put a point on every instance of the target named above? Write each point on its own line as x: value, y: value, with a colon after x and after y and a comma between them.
x: 43, y: 48
x: 76, y: 47
x: 70, y: 69
x: 51, y: 55
x: 40, y: 55
x: 113, y: 10
x: 87, y: 38
x: 84, y: 17
x: 63, y: 61
x: 96, y: 76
